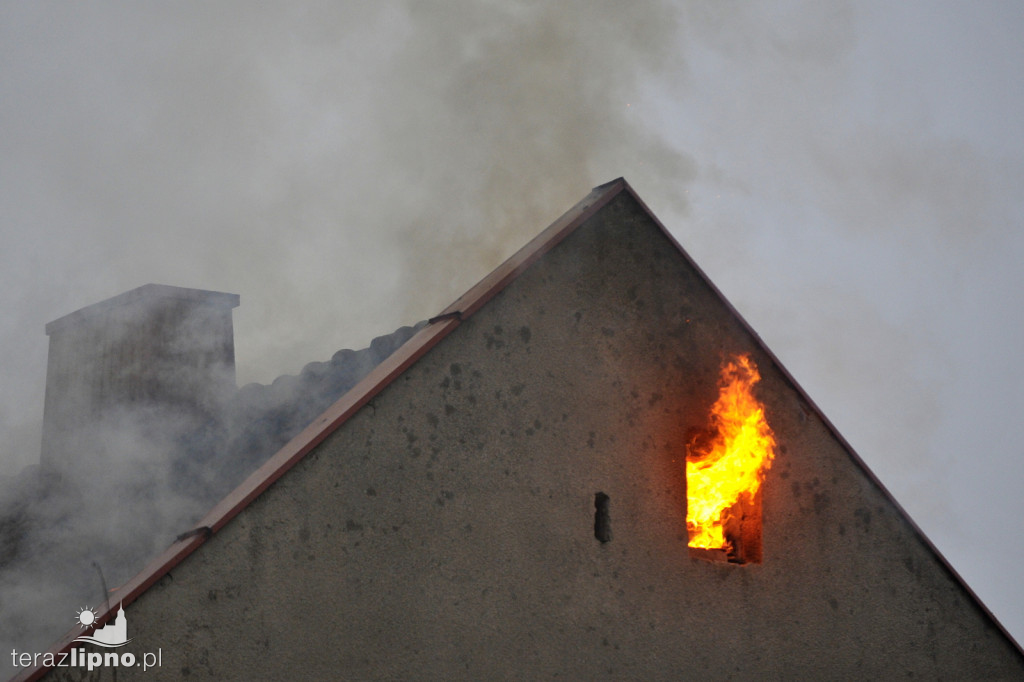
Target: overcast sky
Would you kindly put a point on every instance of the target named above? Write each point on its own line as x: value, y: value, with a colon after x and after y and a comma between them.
x: 849, y: 174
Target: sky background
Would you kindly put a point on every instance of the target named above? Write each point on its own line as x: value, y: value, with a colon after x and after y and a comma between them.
x: 848, y: 174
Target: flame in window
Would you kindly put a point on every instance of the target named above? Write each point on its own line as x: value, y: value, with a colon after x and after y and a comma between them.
x: 725, y: 465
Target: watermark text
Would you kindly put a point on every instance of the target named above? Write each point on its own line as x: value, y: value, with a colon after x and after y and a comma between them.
x: 90, y: 660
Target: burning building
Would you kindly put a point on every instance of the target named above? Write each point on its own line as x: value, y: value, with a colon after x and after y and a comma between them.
x: 508, y: 494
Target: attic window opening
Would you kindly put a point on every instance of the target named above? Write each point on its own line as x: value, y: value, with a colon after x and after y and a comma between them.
x: 725, y: 466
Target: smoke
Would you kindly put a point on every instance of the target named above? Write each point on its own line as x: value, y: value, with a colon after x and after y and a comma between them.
x: 516, y: 104
x: 144, y: 433
x: 348, y: 169
x: 857, y: 199
x: 127, y: 382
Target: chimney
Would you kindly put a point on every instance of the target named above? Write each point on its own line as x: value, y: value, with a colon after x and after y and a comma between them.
x: 149, y: 363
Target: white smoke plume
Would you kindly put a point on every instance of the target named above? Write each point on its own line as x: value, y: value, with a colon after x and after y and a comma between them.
x: 345, y: 169
x: 846, y: 173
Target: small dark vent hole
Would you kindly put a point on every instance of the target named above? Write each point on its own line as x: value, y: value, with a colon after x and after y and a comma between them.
x: 602, y: 522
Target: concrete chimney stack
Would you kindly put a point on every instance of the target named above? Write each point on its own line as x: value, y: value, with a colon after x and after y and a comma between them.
x: 150, y: 361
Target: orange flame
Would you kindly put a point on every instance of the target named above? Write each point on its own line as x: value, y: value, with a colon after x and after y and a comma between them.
x: 728, y: 464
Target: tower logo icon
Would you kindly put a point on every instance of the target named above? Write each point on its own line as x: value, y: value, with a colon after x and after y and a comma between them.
x: 113, y: 634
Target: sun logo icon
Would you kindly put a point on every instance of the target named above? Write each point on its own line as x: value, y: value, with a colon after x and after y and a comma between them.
x: 110, y: 635
x: 86, y: 617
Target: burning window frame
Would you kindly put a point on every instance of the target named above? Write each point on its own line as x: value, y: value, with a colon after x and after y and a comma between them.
x: 726, y: 464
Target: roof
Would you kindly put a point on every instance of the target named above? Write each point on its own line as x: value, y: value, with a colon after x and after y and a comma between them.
x: 388, y: 370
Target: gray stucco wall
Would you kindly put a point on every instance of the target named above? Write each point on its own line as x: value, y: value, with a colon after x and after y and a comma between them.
x: 446, y: 531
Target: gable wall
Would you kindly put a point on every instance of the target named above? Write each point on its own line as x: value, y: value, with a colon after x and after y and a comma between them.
x: 446, y: 530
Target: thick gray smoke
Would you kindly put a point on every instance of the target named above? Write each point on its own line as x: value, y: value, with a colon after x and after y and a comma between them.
x: 129, y: 463
x: 349, y: 168
x: 346, y: 169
